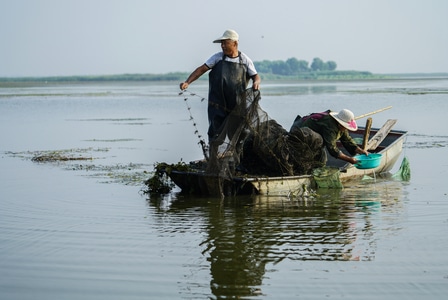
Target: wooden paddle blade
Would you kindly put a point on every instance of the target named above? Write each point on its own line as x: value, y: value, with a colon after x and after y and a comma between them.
x: 381, y: 134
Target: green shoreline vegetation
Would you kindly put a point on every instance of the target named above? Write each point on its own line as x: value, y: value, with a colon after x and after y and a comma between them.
x: 179, y: 76
x: 292, y: 69
x: 327, y: 75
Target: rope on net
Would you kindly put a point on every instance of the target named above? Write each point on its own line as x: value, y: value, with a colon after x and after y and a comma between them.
x: 201, y: 142
x: 252, y: 143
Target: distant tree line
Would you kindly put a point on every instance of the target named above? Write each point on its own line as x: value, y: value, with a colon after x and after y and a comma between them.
x: 293, y: 66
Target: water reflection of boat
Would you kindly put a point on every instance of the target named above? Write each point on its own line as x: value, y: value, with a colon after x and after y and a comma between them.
x: 389, y: 144
x: 242, y: 239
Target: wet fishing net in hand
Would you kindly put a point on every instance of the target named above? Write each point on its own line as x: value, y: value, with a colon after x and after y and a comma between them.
x: 252, y: 143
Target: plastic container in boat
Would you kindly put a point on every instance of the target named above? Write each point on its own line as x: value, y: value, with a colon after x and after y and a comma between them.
x: 370, y: 161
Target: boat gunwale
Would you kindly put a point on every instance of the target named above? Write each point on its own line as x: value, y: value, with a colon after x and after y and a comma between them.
x: 347, y: 171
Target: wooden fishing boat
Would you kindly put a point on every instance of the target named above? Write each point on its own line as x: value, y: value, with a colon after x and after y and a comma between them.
x: 384, y: 140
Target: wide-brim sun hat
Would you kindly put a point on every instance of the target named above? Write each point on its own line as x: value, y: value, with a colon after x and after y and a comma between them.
x: 229, y: 34
x: 346, y: 118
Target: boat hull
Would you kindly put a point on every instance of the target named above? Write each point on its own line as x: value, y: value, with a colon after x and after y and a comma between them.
x: 201, y: 183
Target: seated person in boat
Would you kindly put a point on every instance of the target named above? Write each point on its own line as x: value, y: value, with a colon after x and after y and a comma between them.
x: 332, y: 126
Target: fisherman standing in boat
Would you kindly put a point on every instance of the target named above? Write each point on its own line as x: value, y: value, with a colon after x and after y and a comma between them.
x: 332, y: 126
x: 231, y: 70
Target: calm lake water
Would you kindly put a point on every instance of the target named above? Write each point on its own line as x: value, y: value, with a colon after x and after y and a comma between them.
x: 83, y: 229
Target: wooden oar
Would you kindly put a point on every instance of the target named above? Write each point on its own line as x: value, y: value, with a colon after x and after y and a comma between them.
x: 380, y: 135
x: 366, y: 133
x: 373, y: 112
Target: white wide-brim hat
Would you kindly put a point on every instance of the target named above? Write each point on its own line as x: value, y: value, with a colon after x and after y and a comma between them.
x: 229, y: 34
x: 346, y: 118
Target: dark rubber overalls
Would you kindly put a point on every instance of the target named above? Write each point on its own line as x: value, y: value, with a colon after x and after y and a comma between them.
x: 227, y: 81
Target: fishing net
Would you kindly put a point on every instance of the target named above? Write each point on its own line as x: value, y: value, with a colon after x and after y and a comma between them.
x: 252, y: 143
x: 327, y: 177
x: 404, y: 172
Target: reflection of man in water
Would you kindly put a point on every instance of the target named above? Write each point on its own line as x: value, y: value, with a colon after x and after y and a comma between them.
x: 241, y: 240
x: 237, y: 257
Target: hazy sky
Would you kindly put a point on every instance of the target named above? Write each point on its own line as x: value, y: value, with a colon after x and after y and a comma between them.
x: 96, y: 37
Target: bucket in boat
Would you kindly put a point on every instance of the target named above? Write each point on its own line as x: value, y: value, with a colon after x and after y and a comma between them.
x: 370, y: 161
